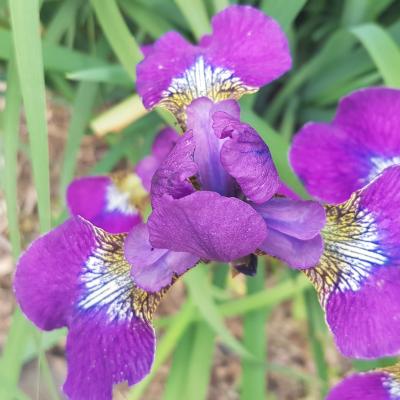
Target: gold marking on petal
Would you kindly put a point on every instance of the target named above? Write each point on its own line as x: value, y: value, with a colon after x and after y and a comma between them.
x: 202, y: 80
x: 351, y: 242
x: 108, y: 284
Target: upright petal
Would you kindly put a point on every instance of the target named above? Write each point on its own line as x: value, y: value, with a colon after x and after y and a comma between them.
x: 358, y: 277
x: 208, y: 225
x: 382, y: 384
x: 246, y: 158
x: 109, y: 202
x: 172, y: 177
x: 226, y: 64
x: 336, y: 159
x: 207, y: 157
x: 151, y: 268
x: 76, y: 276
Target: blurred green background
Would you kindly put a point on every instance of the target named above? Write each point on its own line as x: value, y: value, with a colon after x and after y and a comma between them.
x: 67, y: 83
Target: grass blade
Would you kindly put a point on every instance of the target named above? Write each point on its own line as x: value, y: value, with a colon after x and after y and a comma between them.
x: 195, y: 14
x: 117, y: 33
x: 253, y: 372
x: 28, y: 54
x: 383, y: 50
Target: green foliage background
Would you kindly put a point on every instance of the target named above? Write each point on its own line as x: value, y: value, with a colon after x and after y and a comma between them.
x: 85, y: 52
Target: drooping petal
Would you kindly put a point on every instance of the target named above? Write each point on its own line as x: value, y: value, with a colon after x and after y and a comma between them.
x: 207, y: 156
x: 109, y: 202
x: 383, y: 384
x: 227, y: 64
x: 358, y: 277
x: 152, y: 269
x: 207, y: 225
x: 162, y: 145
x: 76, y: 276
x: 172, y: 177
x: 247, y: 158
x: 329, y: 163
x: 336, y: 159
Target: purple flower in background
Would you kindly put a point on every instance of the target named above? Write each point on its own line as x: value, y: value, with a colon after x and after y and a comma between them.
x: 381, y: 384
x: 213, y: 198
x: 114, y: 203
x: 334, y: 160
x: 245, y: 51
x: 358, y: 276
x: 76, y: 276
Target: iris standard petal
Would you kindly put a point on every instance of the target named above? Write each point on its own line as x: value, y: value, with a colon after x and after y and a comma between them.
x: 172, y: 177
x: 76, y: 276
x: 358, y: 277
x: 227, y: 64
x: 207, y: 225
x: 152, y: 268
x: 207, y: 156
x: 246, y: 157
x: 107, y: 201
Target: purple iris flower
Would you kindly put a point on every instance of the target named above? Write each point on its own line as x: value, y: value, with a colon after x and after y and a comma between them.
x: 245, y: 51
x: 115, y: 202
x: 358, y: 277
x: 382, y: 384
x: 214, y: 198
x: 335, y: 159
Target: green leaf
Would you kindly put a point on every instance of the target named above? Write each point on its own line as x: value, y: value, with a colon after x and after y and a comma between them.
x: 117, y: 33
x: 383, y: 50
x: 195, y: 13
x: 254, y: 338
x: 28, y: 54
x: 201, y: 294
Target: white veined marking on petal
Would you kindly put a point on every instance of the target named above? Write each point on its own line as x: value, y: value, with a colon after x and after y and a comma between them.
x: 392, y: 386
x: 117, y: 200
x: 359, y: 255
x: 201, y: 78
x: 379, y: 164
x: 104, y: 289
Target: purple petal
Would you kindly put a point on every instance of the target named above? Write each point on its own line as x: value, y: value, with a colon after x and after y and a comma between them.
x: 207, y: 225
x: 358, y: 278
x: 329, y: 163
x: 247, y: 158
x: 243, y: 39
x: 336, y: 159
x: 227, y: 64
x: 76, y: 276
x: 102, y: 352
x: 154, y: 269
x: 295, y: 252
x: 162, y: 145
x: 172, y: 177
x: 366, y: 386
x: 285, y: 190
x: 164, y: 142
x: 104, y: 202
x: 212, y: 175
x: 299, y: 219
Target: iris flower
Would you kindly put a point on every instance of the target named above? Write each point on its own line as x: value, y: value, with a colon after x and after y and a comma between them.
x: 214, y: 197
x: 353, y: 159
x: 381, y: 384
